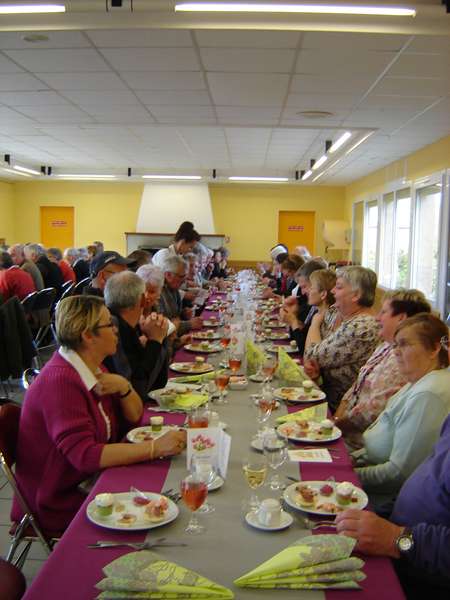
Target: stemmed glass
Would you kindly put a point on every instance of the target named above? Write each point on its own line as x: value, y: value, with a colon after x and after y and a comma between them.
x: 255, y: 471
x: 221, y: 380
x: 234, y: 362
x: 225, y: 342
x: 275, y: 450
x: 194, y: 492
x: 264, y: 406
x: 269, y: 367
x: 204, y: 469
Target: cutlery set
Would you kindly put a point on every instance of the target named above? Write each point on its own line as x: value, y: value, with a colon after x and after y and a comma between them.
x: 147, y: 544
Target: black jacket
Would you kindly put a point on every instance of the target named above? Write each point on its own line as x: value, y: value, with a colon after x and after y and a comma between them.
x: 51, y: 273
x: 16, y: 343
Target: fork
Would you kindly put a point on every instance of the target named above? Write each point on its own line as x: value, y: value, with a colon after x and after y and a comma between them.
x: 147, y: 544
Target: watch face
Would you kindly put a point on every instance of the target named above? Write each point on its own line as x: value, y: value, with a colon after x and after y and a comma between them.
x: 405, y: 543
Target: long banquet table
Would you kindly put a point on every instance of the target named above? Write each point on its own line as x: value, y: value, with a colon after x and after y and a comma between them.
x: 228, y: 549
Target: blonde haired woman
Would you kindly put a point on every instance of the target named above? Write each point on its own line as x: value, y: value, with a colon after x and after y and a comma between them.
x: 320, y: 295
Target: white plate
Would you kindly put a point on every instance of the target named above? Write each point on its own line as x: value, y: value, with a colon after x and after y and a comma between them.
x: 288, y: 349
x: 126, y: 499
x: 201, y: 335
x: 211, y: 348
x: 286, y: 521
x: 274, y: 325
x: 216, y: 483
x: 290, y: 496
x: 188, y: 367
x: 301, y: 395
x: 134, y: 435
x: 311, y: 436
x: 208, y: 323
x: 278, y: 336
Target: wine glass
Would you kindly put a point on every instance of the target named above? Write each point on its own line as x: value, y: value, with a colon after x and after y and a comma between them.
x: 264, y: 406
x: 194, y: 491
x: 204, y: 469
x: 221, y: 380
x: 275, y: 450
x: 269, y: 367
x: 198, y: 418
x: 234, y: 362
x: 255, y: 471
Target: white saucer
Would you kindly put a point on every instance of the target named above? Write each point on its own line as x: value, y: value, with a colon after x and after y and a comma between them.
x: 286, y: 521
x: 256, y: 378
x: 216, y: 484
x: 257, y: 444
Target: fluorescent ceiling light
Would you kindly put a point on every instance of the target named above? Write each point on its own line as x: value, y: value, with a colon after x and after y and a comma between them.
x: 320, y: 162
x: 26, y: 170
x: 319, y: 175
x: 85, y: 176
x: 307, y: 174
x: 15, y: 172
x: 263, y: 179
x: 273, y: 7
x: 171, y: 177
x: 340, y: 141
x: 26, y: 9
x: 358, y: 143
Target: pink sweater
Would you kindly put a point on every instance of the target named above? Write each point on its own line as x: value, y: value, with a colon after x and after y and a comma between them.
x: 61, y: 438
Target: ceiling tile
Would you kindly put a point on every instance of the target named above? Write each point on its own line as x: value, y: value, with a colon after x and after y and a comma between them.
x: 342, y: 62
x: 36, y: 111
x: 102, y: 81
x: 152, y: 59
x: 402, y: 102
x: 20, y: 82
x: 413, y: 65
x: 430, y: 44
x: 240, y: 60
x: 251, y: 89
x: 413, y: 86
x: 246, y: 114
x: 118, y: 114
x: 321, y: 101
x: 139, y: 38
x: 247, y: 39
x: 13, y: 40
x: 31, y: 98
x: 330, y: 84
x: 171, y: 99
x: 102, y: 98
x: 7, y: 65
x: 182, y: 111
x: 60, y: 61
x: 335, y: 41
x: 160, y: 81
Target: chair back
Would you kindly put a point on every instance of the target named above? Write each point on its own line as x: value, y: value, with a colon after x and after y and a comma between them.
x: 9, y: 431
x: 67, y: 290
x: 28, y: 302
x: 79, y: 287
x: 28, y: 376
x: 44, y: 299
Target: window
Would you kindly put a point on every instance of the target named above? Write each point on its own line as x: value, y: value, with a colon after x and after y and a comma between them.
x: 402, y: 238
x: 426, y: 247
x: 357, y: 232
x: 387, y: 230
x: 371, y: 235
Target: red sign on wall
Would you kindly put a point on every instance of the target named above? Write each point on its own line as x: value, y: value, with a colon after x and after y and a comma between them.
x: 59, y: 223
x: 296, y: 228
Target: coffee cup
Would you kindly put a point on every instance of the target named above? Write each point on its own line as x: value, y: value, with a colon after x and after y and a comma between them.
x: 269, y: 512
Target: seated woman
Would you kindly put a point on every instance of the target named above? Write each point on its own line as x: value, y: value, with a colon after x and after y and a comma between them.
x: 417, y: 534
x: 380, y: 378
x: 404, y: 433
x: 320, y: 295
x: 73, y: 417
x: 219, y: 270
x: 141, y: 356
x: 339, y: 356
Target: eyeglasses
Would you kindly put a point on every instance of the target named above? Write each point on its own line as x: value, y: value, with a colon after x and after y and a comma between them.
x: 444, y: 342
x: 110, y: 324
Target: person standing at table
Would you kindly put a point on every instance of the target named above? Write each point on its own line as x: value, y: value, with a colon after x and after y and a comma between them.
x: 380, y: 378
x: 184, y: 241
x: 74, y: 415
x: 404, y: 433
x: 339, y: 357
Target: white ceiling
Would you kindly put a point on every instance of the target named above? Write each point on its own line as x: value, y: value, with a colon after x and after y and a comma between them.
x: 190, y: 100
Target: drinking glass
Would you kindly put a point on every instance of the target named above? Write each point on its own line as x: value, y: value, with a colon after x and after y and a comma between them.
x: 198, y: 418
x: 221, y: 380
x: 194, y: 491
x: 264, y: 407
x: 275, y: 450
x: 234, y: 362
x: 204, y: 469
x: 255, y: 471
x: 269, y: 367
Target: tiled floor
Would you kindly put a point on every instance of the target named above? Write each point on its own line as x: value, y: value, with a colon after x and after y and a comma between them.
x: 36, y: 556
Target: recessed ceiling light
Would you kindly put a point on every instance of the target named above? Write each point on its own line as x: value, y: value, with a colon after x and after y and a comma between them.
x: 26, y: 9
x: 274, y: 7
x: 35, y: 38
x: 315, y: 114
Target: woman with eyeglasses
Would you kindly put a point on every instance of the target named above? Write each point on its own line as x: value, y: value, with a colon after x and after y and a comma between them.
x: 74, y: 415
x: 403, y: 435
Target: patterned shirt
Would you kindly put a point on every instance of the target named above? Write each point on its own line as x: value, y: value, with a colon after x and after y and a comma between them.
x: 343, y: 353
x: 378, y: 380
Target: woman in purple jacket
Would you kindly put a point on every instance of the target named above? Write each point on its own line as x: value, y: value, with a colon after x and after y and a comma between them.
x: 74, y: 415
x: 418, y: 530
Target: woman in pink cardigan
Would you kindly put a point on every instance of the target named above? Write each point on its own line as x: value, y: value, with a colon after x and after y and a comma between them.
x: 73, y: 416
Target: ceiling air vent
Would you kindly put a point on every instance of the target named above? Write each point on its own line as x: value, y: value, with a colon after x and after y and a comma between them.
x: 315, y: 114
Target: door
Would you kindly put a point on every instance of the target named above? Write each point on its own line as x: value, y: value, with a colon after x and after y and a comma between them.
x: 297, y: 228
x: 57, y: 226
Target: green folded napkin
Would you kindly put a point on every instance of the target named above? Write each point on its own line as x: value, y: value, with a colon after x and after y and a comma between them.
x: 194, y: 378
x: 145, y: 575
x: 255, y: 357
x: 312, y: 562
x: 312, y: 413
x: 288, y: 370
x: 190, y: 400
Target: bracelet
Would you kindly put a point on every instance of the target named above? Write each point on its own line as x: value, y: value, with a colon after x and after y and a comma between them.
x: 127, y: 393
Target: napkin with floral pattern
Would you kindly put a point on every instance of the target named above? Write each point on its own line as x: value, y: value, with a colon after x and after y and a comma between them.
x: 145, y: 575
x: 317, y: 413
x: 312, y: 562
x: 255, y: 357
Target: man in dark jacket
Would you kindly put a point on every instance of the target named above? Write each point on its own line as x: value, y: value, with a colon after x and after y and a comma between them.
x: 51, y: 273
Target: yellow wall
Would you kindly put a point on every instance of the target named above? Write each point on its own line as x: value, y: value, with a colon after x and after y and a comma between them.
x: 425, y: 161
x: 7, y: 216
x: 249, y: 214
x: 103, y: 211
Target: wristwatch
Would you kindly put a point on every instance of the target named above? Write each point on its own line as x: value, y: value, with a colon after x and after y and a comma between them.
x: 405, y: 541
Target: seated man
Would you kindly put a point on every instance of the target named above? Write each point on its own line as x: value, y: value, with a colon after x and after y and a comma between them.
x: 79, y: 266
x: 170, y: 303
x: 17, y: 254
x: 51, y: 273
x: 141, y: 356
x: 55, y: 256
x: 13, y: 281
x: 103, y: 266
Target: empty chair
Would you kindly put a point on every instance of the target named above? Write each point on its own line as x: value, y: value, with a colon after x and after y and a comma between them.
x: 42, y: 316
x: 24, y: 533
x: 28, y: 303
x: 79, y: 287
